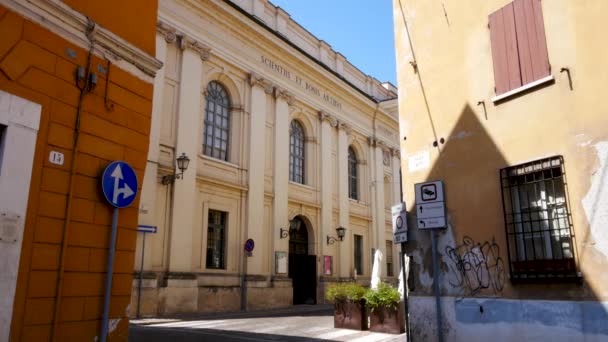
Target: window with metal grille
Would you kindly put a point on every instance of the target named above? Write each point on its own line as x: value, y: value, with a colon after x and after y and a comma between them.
x: 359, y: 254
x: 296, y: 152
x: 389, y: 258
x: 217, y: 122
x: 540, y: 236
x: 216, y: 239
x: 353, y: 189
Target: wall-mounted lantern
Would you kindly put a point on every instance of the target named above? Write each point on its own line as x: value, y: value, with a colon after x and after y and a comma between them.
x: 182, y: 165
x: 341, y: 231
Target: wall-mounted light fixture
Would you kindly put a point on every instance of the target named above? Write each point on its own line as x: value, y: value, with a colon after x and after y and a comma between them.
x: 182, y: 165
x: 341, y: 231
x: 284, y: 233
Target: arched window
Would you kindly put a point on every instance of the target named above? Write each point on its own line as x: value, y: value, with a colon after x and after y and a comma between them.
x: 353, y: 189
x: 217, y: 122
x: 296, y: 152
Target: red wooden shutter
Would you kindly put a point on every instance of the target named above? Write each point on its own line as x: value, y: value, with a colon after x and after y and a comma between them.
x: 503, y: 38
x: 531, y: 41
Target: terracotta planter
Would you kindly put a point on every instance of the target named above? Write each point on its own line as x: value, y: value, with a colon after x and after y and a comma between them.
x: 350, y: 315
x: 388, y: 320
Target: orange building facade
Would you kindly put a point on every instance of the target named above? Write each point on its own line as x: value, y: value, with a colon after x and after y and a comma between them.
x: 76, y: 87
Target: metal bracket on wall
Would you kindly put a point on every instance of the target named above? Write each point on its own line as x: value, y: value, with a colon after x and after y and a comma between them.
x: 567, y: 70
x: 485, y: 112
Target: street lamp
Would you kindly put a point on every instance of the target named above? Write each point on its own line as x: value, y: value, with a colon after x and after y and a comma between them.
x: 341, y: 231
x: 182, y: 165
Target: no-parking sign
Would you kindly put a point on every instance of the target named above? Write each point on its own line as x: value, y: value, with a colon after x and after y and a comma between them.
x: 399, y: 223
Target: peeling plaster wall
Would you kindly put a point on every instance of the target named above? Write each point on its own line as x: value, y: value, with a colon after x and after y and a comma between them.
x: 596, y: 201
x: 486, y: 319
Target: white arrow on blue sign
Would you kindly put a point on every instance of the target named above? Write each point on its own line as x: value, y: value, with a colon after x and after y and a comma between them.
x: 119, y: 183
x: 147, y: 229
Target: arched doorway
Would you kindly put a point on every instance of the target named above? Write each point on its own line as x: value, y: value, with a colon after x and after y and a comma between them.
x: 302, y: 265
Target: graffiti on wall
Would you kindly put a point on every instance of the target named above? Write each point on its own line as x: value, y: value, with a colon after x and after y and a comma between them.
x: 475, y: 267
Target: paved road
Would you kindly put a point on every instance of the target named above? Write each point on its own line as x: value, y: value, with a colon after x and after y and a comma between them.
x: 299, y: 323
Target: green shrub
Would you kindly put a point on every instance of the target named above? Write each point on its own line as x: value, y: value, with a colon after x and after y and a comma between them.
x: 345, y: 292
x: 383, y: 296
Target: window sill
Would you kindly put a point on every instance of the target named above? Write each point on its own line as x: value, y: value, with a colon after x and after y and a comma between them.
x: 219, y: 161
x: 522, y: 89
x: 301, y: 185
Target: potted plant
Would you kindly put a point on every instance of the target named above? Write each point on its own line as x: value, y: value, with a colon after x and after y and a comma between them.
x: 349, y: 305
x: 386, y: 309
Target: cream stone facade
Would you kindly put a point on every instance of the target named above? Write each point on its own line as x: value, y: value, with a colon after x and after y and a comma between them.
x: 274, y: 73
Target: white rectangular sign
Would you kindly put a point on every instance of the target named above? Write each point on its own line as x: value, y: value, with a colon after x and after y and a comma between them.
x: 428, y: 210
x: 429, y: 192
x: 430, y: 205
x: 419, y: 161
x: 399, y: 214
x: 435, y: 222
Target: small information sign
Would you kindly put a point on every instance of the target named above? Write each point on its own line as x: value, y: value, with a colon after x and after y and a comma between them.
x: 430, y: 205
x: 399, y: 223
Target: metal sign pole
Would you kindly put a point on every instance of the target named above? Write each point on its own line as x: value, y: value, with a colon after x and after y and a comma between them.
x: 106, y: 304
x: 405, y: 295
x: 141, y: 273
x: 437, y: 291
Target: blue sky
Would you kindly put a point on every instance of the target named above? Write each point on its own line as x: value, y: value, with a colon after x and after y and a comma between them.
x: 361, y: 30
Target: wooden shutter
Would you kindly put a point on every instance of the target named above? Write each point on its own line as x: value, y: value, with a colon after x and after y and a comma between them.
x: 503, y: 38
x: 531, y: 41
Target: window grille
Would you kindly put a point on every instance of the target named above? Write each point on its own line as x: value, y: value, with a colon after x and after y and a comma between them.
x: 217, y: 122
x: 296, y: 152
x: 216, y: 240
x: 353, y: 190
x: 540, y: 236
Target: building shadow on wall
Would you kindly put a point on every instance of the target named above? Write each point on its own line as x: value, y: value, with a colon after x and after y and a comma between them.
x: 473, y: 254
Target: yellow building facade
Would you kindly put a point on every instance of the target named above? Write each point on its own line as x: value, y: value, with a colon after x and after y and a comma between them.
x: 286, y: 141
x: 503, y: 101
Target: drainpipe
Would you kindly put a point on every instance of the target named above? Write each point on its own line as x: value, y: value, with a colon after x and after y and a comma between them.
x: 85, y: 89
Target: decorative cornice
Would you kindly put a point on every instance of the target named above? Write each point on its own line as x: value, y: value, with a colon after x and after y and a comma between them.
x: 345, y: 127
x: 372, y: 141
x: 77, y: 28
x: 166, y: 31
x: 257, y: 80
x: 325, y: 116
x: 280, y: 93
x: 396, y: 153
x: 188, y: 43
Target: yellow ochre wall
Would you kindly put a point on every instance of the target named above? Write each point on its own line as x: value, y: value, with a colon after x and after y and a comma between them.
x: 34, y: 65
x: 128, y: 19
x: 451, y: 48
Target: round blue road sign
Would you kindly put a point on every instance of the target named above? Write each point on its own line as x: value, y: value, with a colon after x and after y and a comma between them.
x: 249, y: 244
x: 119, y: 184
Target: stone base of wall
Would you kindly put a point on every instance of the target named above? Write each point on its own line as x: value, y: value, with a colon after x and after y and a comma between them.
x: 167, y: 295
x: 495, y: 319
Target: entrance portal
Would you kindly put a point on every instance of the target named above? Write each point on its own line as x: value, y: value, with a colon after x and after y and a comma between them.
x: 302, y: 266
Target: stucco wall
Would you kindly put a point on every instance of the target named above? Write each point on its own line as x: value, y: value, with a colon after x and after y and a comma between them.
x: 38, y: 65
x: 448, y: 95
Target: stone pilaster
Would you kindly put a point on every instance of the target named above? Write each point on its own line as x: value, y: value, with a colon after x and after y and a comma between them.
x: 328, y: 122
x: 396, y: 156
x: 343, y: 202
x: 147, y: 205
x: 188, y: 131
x: 379, y: 224
x: 259, y: 262
x: 281, y: 168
